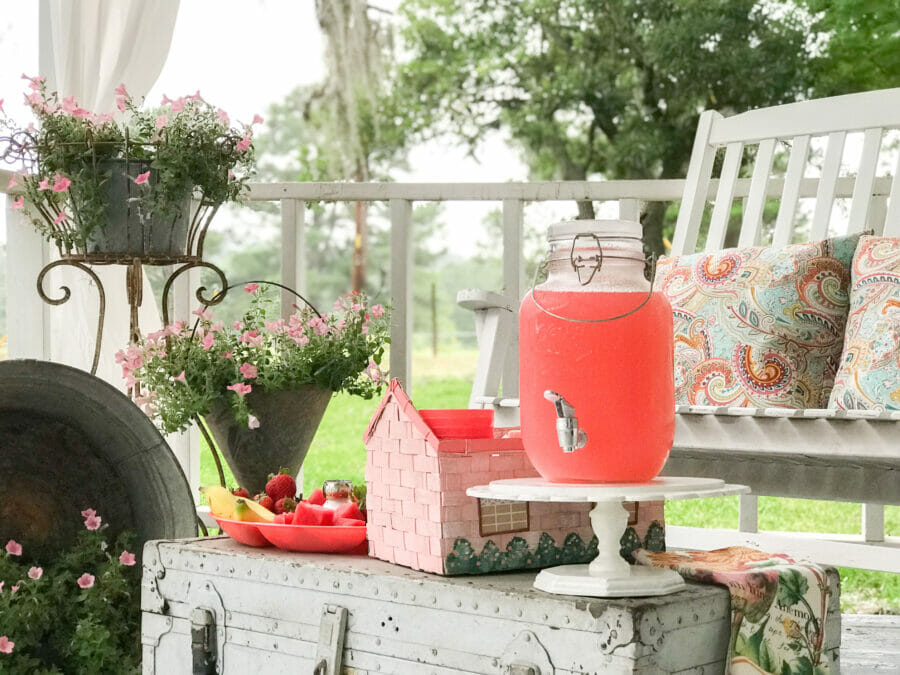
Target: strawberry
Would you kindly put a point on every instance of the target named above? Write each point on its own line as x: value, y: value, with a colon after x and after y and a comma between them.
x: 266, y: 501
x: 281, y: 485
x: 285, y: 504
x: 241, y: 492
x: 316, y: 497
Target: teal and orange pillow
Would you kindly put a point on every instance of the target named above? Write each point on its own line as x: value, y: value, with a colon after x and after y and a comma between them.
x: 759, y: 326
x: 868, y: 376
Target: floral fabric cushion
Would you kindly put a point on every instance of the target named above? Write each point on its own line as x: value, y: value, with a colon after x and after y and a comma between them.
x: 869, y: 374
x: 761, y: 326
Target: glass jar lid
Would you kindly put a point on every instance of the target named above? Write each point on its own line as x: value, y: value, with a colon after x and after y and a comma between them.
x: 611, y: 229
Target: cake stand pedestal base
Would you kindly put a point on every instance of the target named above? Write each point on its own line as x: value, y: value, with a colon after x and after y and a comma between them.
x: 608, y: 575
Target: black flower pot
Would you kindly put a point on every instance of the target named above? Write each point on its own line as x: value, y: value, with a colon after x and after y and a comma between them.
x: 131, y: 229
x: 288, y: 421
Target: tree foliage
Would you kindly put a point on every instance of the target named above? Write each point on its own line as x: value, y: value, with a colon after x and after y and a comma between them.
x: 585, y: 87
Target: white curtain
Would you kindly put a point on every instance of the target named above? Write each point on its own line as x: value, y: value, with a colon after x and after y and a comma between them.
x: 88, y: 48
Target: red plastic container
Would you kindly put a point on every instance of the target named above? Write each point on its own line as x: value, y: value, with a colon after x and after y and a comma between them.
x: 242, y: 532
x: 313, y: 538
x: 460, y: 423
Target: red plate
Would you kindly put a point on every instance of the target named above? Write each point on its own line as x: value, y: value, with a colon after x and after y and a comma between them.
x: 242, y: 532
x: 313, y: 538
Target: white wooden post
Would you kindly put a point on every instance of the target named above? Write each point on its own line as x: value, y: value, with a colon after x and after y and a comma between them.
x: 28, y: 317
x: 748, y: 513
x: 513, y: 289
x: 293, y: 253
x: 630, y: 209
x: 293, y: 265
x: 873, y: 522
x: 401, y: 291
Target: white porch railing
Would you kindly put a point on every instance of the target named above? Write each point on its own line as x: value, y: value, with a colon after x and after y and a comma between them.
x: 27, y: 314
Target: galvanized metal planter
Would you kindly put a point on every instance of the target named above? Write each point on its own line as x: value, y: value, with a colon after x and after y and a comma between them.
x: 288, y: 422
x: 68, y: 442
x: 131, y: 230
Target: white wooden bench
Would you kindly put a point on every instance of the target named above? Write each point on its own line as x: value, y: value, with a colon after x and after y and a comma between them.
x: 813, y: 454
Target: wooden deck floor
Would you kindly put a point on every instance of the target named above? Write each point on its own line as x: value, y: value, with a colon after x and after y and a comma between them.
x: 870, y: 644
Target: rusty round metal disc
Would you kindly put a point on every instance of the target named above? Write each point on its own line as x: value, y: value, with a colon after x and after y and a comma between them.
x: 70, y: 441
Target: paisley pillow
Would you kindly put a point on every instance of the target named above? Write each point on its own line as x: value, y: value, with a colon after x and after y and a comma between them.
x: 869, y: 374
x: 761, y: 326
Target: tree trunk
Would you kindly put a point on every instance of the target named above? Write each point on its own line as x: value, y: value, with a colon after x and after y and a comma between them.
x: 652, y: 222
x: 585, y: 210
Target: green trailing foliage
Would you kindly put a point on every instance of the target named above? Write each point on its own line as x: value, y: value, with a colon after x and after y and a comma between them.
x: 185, y: 370
x: 52, y: 625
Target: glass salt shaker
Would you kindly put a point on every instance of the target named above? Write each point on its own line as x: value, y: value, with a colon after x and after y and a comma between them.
x: 337, y: 492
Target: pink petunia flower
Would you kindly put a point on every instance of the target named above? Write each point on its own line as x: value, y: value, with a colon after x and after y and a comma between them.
x: 377, y: 311
x: 237, y: 325
x: 12, y: 181
x: 178, y: 104
x: 243, y: 144
x: 257, y: 119
x: 120, y: 103
x: 252, y: 422
x: 61, y: 183
x: 240, y: 388
x: 374, y: 372
x: 179, y: 378
x: 204, y: 313
x: 120, y: 90
x: 44, y: 184
x: 162, y: 121
x: 165, y: 100
x: 142, y: 178
x: 92, y: 522
x: 6, y: 645
x: 228, y: 354
x: 251, y: 288
x: 69, y: 105
x: 318, y: 325
x: 88, y: 513
x: 14, y: 588
x: 35, y: 573
x: 85, y: 581
x: 13, y: 547
x: 223, y: 116
x: 252, y: 338
x: 2, y: 584
x: 195, y: 97
x: 18, y: 204
x: 127, y: 559
x: 208, y: 341
x: 61, y: 216
x: 248, y: 370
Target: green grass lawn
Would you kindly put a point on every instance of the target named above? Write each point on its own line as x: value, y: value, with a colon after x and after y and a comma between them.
x: 338, y: 452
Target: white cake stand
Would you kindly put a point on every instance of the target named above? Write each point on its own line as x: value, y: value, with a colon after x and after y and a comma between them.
x: 608, y: 575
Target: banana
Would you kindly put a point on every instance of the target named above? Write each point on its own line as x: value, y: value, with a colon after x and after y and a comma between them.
x: 221, y: 501
x: 249, y: 511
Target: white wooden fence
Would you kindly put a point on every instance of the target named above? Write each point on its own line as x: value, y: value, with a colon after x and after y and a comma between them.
x: 27, y: 315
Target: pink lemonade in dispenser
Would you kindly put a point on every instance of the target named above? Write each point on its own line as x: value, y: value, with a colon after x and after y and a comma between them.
x: 595, y: 360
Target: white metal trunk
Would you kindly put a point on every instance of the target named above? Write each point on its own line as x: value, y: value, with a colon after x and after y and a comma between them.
x: 274, y: 609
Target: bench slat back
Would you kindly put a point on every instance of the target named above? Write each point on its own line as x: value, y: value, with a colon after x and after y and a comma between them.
x: 820, y: 133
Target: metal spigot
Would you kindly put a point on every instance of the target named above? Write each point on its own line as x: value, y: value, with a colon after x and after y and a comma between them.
x: 570, y: 436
